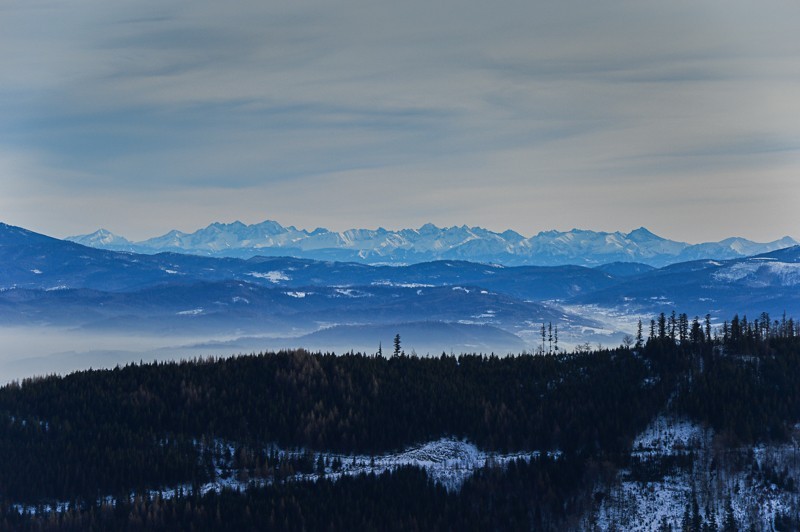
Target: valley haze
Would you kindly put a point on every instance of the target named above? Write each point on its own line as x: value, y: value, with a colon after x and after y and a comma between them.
x: 229, y: 288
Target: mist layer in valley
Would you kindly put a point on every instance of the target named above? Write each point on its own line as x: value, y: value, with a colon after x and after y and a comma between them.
x: 65, y: 306
x: 44, y: 350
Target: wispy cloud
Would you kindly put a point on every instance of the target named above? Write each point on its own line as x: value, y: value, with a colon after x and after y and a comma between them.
x: 480, y: 106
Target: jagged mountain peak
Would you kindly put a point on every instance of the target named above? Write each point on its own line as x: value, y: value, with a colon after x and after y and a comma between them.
x: 104, y: 239
x: 643, y: 233
x: 430, y: 242
x: 428, y: 228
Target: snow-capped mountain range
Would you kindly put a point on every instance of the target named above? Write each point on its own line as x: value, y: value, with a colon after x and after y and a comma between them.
x: 47, y: 280
x: 429, y: 242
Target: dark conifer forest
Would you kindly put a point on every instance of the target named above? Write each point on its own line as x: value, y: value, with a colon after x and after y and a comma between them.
x: 107, y: 445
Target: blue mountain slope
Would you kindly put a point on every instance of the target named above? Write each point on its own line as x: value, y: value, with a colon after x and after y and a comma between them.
x: 50, y: 281
x: 238, y: 306
x: 769, y: 282
x: 624, y: 269
x: 39, y: 262
x: 32, y: 260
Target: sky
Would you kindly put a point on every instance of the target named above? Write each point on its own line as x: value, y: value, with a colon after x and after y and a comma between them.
x: 145, y: 116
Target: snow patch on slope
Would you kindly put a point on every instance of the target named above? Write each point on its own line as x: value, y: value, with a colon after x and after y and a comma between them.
x: 761, y: 273
x: 297, y: 295
x: 192, y: 312
x: 273, y: 277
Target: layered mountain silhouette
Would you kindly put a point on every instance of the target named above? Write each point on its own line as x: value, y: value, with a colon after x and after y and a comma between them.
x: 429, y: 243
x: 47, y: 281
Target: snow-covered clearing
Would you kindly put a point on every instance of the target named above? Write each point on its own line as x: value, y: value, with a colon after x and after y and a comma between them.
x: 448, y: 461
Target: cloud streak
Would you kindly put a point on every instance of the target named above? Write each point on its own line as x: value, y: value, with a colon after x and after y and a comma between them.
x: 293, y: 110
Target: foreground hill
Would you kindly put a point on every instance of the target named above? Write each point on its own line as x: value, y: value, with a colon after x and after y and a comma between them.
x: 294, y: 440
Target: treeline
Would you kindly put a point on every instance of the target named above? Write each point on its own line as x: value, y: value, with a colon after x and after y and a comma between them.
x: 738, y: 334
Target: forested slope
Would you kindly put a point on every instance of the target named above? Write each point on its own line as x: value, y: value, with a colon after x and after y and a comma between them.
x: 149, y: 427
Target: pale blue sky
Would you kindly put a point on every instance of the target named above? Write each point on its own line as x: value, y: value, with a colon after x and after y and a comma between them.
x: 151, y: 115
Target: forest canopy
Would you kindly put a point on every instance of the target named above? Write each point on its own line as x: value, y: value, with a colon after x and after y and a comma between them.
x: 151, y: 426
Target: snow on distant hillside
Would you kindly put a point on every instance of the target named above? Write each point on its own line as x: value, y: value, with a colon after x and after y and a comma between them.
x: 756, y: 272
